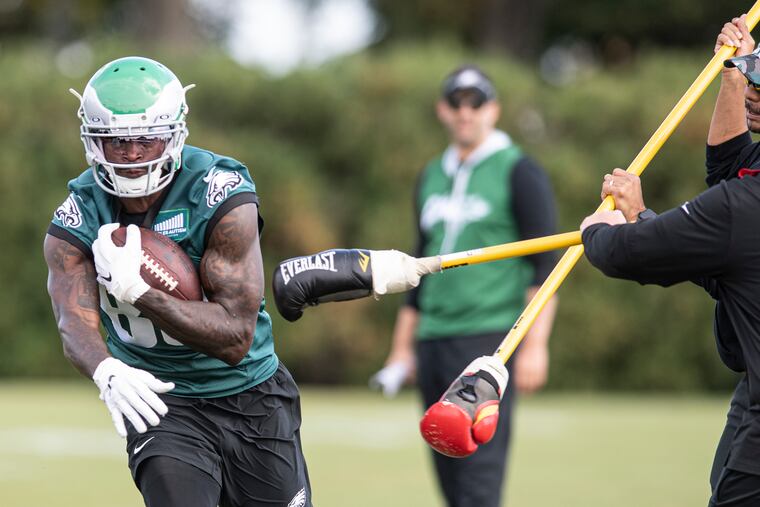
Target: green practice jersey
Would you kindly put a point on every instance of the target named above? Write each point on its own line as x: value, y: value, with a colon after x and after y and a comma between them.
x: 463, y: 206
x: 206, y: 188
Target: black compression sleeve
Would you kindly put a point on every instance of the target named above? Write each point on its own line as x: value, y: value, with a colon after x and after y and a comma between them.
x: 61, y: 233
x: 164, y: 480
x: 230, y: 204
x: 681, y: 244
x: 534, y: 211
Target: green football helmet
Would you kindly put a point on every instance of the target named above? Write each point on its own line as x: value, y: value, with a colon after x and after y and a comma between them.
x: 133, y: 99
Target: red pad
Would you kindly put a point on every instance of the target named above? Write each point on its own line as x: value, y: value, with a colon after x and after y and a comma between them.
x: 486, y: 419
x: 447, y: 428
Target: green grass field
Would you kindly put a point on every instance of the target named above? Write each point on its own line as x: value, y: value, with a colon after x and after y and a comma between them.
x: 57, y: 448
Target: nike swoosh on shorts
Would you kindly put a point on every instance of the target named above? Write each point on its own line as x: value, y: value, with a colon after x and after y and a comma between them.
x: 140, y: 447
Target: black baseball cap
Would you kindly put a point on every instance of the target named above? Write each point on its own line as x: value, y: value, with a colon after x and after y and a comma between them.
x: 468, y: 77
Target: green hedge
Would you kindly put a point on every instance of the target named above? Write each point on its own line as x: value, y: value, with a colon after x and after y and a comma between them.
x: 335, y: 151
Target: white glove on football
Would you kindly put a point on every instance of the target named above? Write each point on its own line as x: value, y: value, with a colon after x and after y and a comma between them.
x: 394, y: 271
x: 390, y: 379
x: 131, y: 393
x: 119, y: 267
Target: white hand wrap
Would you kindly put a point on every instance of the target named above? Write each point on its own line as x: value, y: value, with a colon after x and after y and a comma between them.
x: 131, y: 393
x: 494, y: 367
x: 390, y: 379
x: 394, y: 271
x: 119, y: 267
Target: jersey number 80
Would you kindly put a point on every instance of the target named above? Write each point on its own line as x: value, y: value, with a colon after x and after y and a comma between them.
x: 129, y: 326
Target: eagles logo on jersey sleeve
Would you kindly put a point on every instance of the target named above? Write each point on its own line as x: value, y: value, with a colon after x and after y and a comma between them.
x: 68, y: 213
x: 220, y: 184
x: 78, y: 217
x: 217, y: 185
x: 214, y: 180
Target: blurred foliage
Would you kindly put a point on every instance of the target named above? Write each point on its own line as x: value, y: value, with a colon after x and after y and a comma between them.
x: 334, y: 152
x: 170, y: 22
x: 527, y: 28
x: 615, y: 30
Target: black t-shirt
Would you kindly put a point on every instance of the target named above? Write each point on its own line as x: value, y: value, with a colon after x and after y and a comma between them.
x: 714, y: 241
x: 533, y: 209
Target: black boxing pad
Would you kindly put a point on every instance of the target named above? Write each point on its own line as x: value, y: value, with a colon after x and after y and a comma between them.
x: 332, y: 275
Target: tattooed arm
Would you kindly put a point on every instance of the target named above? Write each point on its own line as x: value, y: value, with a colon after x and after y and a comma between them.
x: 73, y: 291
x: 127, y: 392
x: 232, y: 276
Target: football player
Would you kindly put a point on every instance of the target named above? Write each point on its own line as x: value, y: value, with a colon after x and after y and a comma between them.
x: 210, y: 415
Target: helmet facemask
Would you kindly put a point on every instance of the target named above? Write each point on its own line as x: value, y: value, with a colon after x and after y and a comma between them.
x: 133, y: 99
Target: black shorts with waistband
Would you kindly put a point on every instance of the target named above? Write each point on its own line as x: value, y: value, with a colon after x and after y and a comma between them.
x: 249, y: 443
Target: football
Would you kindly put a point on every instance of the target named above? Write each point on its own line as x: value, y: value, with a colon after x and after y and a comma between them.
x: 165, y: 266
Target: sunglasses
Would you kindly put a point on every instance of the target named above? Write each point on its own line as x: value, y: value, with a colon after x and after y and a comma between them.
x: 475, y: 101
x: 121, y: 144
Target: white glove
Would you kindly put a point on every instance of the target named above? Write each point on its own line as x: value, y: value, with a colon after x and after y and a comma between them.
x: 131, y: 393
x: 394, y: 271
x: 390, y: 378
x: 119, y: 267
x: 492, y: 365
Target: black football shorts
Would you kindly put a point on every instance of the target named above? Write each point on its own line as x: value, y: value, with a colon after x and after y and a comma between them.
x: 248, y: 442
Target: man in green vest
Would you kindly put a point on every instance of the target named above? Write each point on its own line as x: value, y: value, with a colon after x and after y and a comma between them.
x: 481, y: 191
x: 210, y: 415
